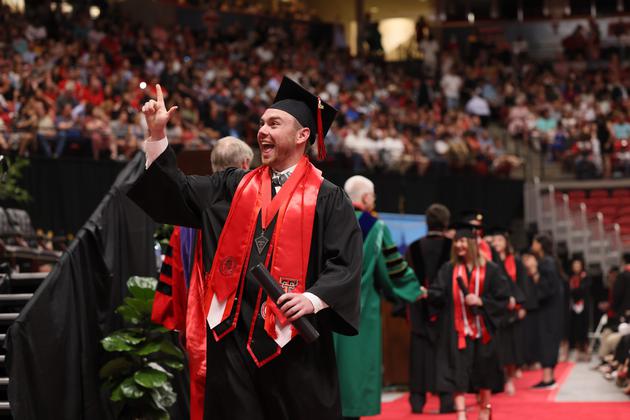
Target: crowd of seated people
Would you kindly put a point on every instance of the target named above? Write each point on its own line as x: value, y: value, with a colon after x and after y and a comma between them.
x: 76, y: 87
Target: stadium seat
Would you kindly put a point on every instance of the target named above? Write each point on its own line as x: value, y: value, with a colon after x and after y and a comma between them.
x: 577, y: 195
x: 621, y: 192
x: 599, y: 193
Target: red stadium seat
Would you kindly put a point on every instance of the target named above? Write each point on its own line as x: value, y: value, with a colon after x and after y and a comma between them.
x: 599, y: 193
x: 577, y: 195
x: 621, y: 192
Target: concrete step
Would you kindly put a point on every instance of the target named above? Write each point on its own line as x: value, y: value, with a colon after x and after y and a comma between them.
x: 8, y: 317
x: 12, y: 297
x: 28, y: 276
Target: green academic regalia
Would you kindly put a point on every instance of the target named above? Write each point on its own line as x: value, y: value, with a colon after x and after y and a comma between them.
x: 359, y: 358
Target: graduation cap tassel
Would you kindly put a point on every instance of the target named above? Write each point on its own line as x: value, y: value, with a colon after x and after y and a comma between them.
x: 321, y: 146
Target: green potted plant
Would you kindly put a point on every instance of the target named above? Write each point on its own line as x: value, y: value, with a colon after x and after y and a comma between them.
x: 139, y: 375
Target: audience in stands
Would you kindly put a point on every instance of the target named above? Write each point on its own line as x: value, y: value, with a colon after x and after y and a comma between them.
x: 71, y: 85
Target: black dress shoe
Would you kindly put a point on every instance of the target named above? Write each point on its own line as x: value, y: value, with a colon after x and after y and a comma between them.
x: 545, y: 385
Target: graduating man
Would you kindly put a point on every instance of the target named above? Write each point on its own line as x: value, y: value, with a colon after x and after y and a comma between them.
x: 178, y: 303
x: 426, y: 256
x: 302, y: 227
x: 384, y: 272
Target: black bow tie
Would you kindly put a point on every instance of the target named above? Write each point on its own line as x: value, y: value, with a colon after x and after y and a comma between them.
x: 278, y: 179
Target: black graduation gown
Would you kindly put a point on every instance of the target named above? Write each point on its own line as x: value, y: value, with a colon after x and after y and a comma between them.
x: 510, y: 337
x: 425, y: 256
x: 477, y: 366
x: 620, y: 299
x: 551, y: 312
x: 302, y: 382
x: 578, y: 321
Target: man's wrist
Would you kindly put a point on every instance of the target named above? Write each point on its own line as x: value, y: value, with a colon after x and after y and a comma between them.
x: 157, y: 135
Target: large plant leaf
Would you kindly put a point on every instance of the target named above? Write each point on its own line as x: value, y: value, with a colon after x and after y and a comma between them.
x: 117, y: 394
x: 170, y: 348
x: 130, y: 337
x: 148, y: 348
x: 143, y: 306
x: 142, y: 287
x: 158, y: 329
x: 116, y: 343
x: 130, y: 389
x: 130, y: 314
x: 115, y: 367
x: 164, y: 395
x: 174, y: 364
x: 150, y: 378
x: 159, y: 367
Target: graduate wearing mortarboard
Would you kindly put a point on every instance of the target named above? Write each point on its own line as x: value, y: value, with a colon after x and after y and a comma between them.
x: 511, y: 334
x: 471, y: 296
x: 302, y: 227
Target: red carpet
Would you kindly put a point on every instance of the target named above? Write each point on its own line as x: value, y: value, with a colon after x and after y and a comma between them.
x: 527, y: 404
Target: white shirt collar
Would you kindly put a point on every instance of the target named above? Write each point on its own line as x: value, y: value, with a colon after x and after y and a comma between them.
x: 287, y: 171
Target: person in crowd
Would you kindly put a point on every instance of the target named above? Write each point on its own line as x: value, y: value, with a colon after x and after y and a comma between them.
x: 426, y: 256
x: 579, y: 315
x: 472, y: 297
x: 550, y: 294
x: 386, y: 273
x: 531, y: 354
x: 256, y: 368
x: 511, y: 337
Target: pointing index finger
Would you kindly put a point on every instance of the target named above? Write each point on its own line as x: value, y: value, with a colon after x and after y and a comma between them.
x: 160, y: 96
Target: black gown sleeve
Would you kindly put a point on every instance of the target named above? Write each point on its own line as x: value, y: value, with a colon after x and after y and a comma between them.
x: 495, y: 296
x: 619, y: 293
x: 549, y: 284
x: 518, y: 292
x: 440, y: 290
x: 581, y: 292
x: 169, y: 196
x: 339, y: 282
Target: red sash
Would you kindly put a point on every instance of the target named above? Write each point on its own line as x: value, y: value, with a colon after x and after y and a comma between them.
x: 574, y: 283
x: 467, y: 324
x: 510, y: 266
x: 290, y: 244
x: 484, y: 249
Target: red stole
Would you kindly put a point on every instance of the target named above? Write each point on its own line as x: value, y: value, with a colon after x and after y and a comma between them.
x: 484, y: 249
x: 169, y: 310
x: 510, y: 266
x: 466, y: 323
x: 290, y: 244
x: 196, y: 335
x: 574, y: 283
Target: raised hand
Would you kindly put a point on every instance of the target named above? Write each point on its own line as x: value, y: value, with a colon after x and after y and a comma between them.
x: 157, y: 116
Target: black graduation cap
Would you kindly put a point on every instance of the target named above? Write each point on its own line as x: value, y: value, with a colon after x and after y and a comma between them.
x: 464, y: 229
x: 498, y: 230
x: 308, y: 109
x: 471, y: 215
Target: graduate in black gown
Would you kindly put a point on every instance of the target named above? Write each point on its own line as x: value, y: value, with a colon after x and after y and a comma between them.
x: 511, y: 338
x: 472, y: 297
x: 425, y: 256
x: 550, y: 293
x: 285, y: 215
x: 579, y: 309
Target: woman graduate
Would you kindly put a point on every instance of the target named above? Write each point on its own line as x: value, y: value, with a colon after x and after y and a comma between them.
x: 510, y: 340
x: 472, y: 296
x: 579, y: 294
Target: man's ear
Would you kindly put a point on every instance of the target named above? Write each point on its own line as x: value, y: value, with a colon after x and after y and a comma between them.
x: 303, y: 134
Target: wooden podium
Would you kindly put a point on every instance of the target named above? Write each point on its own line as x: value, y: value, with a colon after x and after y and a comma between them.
x: 395, y: 348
